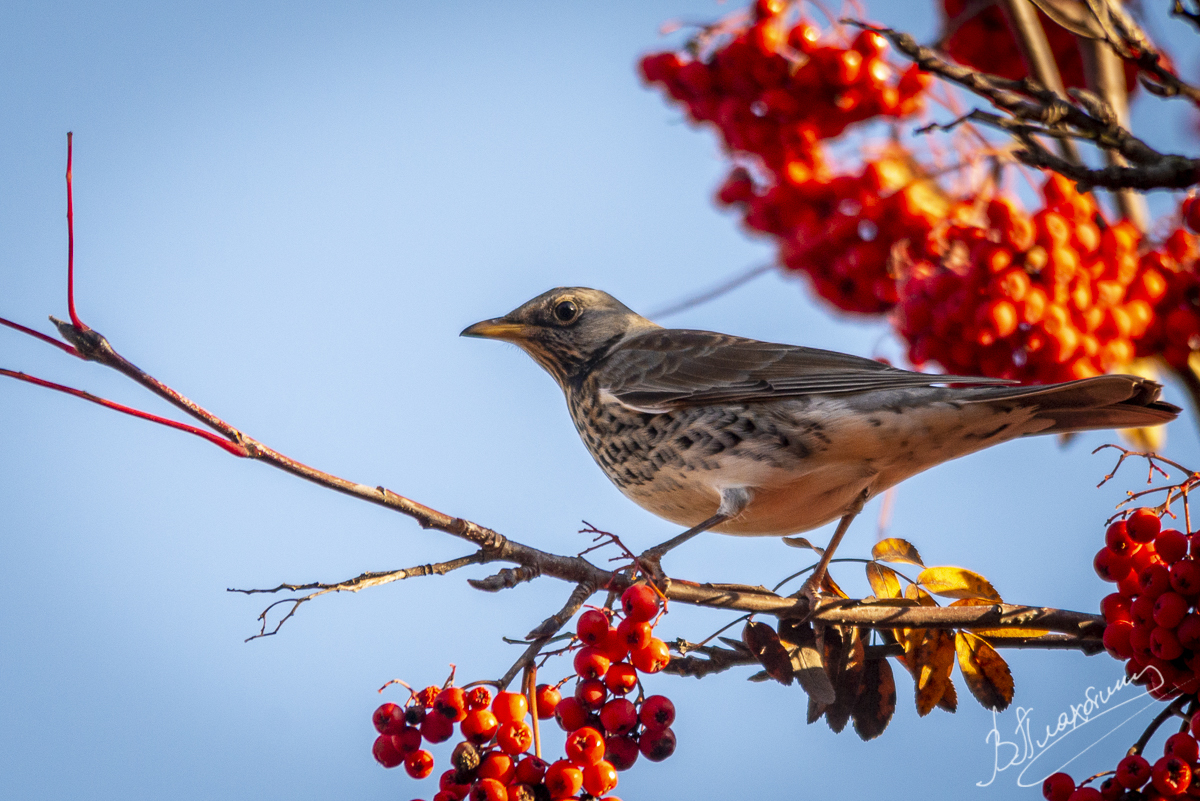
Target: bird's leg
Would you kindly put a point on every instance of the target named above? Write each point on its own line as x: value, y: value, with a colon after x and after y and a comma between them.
x: 733, y: 502
x: 813, y: 585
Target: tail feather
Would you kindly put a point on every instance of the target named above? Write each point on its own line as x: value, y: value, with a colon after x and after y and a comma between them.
x: 1106, y: 401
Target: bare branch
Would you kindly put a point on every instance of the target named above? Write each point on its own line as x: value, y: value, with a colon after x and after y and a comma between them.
x: 1179, y: 10
x: 543, y: 633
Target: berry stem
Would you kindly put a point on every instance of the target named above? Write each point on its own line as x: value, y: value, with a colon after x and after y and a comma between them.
x: 71, y: 240
x: 1173, y: 709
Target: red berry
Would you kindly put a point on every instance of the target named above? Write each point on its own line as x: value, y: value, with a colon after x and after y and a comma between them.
x: 563, y: 780
x: 447, y: 784
x: 1111, y: 789
x: 1116, y: 639
x: 547, y: 697
x: 570, y: 714
x: 1144, y: 525
x: 385, y: 752
x: 621, y: 751
x: 1194, y: 725
x: 1141, y: 611
x: 1164, y: 644
x: 1115, y: 607
x: 1185, y: 577
x: 531, y: 770
x: 1133, y: 771
x: 591, y: 663
x: 515, y: 737
x: 636, y: 633
x: 1171, y: 544
x: 1182, y: 745
x: 653, y: 657
x: 619, y: 716
x: 437, y: 728
x: 592, y: 627
x: 497, y: 766
x: 451, y: 703
x: 614, y: 646
x: 640, y: 602
x: 599, y: 778
x: 1085, y: 794
x: 657, y: 712
x: 408, y: 740
x: 478, y: 698
x: 1171, y: 776
x: 388, y: 719
x: 1110, y: 565
x: 656, y: 745
x: 479, y: 726
x: 620, y: 678
x: 585, y: 746
x: 1117, y: 538
x: 419, y: 764
x: 1154, y: 581
x: 489, y: 790
x: 426, y: 696
x: 591, y: 694
x: 509, y: 707
x: 1170, y: 609
x: 1189, y: 632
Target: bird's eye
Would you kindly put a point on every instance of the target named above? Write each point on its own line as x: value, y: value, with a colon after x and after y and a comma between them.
x: 566, y: 311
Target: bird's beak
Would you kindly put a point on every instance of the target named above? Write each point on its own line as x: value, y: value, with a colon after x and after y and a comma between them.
x: 497, y: 328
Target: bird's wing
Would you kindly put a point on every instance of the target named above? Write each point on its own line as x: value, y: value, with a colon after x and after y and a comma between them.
x: 670, y: 368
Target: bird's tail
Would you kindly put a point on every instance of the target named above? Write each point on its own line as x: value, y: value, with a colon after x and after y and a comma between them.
x: 1105, y: 401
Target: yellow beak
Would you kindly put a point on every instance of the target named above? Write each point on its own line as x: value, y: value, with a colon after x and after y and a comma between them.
x: 497, y: 328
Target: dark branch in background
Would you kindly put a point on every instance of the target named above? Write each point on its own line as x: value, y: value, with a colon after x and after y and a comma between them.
x: 1034, y: 111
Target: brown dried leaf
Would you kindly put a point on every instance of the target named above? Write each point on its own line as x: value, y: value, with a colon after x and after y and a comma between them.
x: 895, y: 549
x: 807, y: 664
x: 764, y: 643
x: 932, y: 660
x: 876, y: 699
x: 957, y: 582
x: 883, y: 580
x: 801, y: 542
x: 949, y: 702
x: 847, y: 678
x: 1076, y: 17
x: 1005, y: 632
x: 828, y: 585
x: 985, y: 671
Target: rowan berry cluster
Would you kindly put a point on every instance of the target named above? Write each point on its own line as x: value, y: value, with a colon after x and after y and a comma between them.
x: 1175, y: 775
x: 1052, y: 296
x: 776, y: 90
x: 985, y: 41
x: 1152, y: 620
x: 606, y: 730
x: 1175, y: 332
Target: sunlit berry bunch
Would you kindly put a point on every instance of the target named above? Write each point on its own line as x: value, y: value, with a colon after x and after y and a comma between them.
x: 776, y: 89
x: 1151, y: 620
x: 986, y: 42
x: 840, y: 230
x: 1174, y: 271
x: 1050, y: 296
x: 1174, y: 775
x: 606, y: 730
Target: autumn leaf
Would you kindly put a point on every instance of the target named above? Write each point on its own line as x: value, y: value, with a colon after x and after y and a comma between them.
x: 846, y: 673
x: 895, y: 549
x: 1004, y: 632
x: 957, y: 582
x: 807, y: 664
x: 764, y: 643
x: 883, y: 580
x: 985, y: 671
x: 801, y: 542
x: 931, y: 660
x: 876, y: 699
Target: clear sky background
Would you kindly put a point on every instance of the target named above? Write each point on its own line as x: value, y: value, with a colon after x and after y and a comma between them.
x: 288, y: 211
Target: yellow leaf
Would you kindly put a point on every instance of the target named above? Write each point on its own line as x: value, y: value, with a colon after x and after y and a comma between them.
x: 932, y: 661
x: 883, y: 580
x: 986, y: 673
x: 895, y: 549
x: 1005, y: 632
x: 957, y: 582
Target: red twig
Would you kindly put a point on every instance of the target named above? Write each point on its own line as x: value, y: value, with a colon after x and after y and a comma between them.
x: 39, y: 335
x: 234, y: 448
x: 71, y: 243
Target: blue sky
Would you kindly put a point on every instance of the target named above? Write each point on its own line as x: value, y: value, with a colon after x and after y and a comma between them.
x: 288, y: 212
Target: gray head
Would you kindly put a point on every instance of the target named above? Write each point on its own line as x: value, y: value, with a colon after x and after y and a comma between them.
x: 566, y: 330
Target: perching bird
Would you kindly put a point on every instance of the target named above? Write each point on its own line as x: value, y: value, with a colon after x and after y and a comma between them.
x: 719, y: 432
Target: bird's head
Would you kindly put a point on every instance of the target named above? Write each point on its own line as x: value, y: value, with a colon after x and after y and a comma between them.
x: 565, y: 330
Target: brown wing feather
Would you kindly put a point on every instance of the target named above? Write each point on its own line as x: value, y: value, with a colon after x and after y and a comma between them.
x: 672, y: 368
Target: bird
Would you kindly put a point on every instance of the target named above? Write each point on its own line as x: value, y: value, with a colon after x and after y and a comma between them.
x: 724, y: 433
